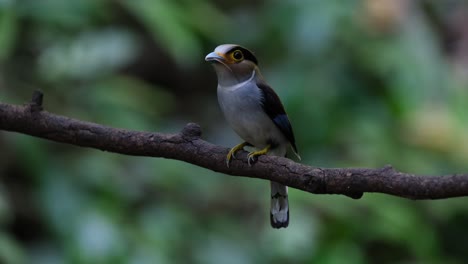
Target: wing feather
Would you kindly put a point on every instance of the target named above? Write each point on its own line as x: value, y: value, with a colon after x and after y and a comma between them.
x: 273, y: 107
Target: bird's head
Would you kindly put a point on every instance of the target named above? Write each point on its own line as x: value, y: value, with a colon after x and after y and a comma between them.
x: 233, y: 63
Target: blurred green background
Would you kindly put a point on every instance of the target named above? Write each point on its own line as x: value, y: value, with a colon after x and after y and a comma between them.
x: 365, y: 82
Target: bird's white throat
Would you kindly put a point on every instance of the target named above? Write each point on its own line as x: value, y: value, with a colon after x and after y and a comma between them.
x: 239, y: 85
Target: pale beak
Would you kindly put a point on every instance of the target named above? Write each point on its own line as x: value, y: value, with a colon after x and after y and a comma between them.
x: 213, y: 56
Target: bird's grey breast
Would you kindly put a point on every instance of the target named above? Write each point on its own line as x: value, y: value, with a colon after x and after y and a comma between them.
x: 242, y: 108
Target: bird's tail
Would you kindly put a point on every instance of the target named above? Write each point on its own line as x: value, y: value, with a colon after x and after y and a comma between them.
x: 279, y: 211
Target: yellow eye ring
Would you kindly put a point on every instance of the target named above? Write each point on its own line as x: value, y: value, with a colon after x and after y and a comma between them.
x: 237, y: 55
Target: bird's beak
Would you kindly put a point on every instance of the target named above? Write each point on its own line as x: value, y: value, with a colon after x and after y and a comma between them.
x: 214, y: 56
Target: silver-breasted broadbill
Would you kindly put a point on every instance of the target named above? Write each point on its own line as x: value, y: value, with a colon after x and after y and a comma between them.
x: 255, y: 113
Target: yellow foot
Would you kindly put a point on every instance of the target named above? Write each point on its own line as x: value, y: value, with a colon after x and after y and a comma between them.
x: 233, y: 151
x: 254, y: 154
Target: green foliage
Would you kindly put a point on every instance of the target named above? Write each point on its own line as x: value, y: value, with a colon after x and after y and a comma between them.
x: 365, y: 82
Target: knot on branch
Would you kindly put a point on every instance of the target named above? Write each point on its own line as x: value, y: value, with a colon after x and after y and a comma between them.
x: 354, y: 195
x: 192, y: 131
x: 388, y: 169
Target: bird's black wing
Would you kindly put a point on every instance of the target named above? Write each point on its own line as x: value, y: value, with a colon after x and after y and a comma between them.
x: 273, y: 107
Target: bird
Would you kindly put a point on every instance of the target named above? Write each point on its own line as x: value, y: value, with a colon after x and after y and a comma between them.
x: 255, y: 112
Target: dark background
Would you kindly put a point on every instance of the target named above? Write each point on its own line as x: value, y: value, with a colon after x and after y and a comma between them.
x: 365, y: 83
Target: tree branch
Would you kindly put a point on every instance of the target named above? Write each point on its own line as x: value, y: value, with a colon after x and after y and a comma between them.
x: 188, y: 146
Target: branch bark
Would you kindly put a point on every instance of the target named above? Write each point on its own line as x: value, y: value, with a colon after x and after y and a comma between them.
x: 188, y: 146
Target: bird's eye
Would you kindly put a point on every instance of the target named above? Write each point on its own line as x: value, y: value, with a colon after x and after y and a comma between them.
x: 237, y: 55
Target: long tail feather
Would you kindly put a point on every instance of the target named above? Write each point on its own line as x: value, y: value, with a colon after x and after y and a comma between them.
x: 279, y: 210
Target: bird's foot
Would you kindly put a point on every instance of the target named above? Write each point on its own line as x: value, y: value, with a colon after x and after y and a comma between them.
x: 254, y: 154
x: 232, y: 152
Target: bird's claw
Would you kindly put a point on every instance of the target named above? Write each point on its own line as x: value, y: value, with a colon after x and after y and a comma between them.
x: 253, y: 154
x: 250, y: 157
x: 232, y: 153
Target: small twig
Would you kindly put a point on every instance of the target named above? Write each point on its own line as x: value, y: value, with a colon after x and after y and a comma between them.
x: 36, y: 101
